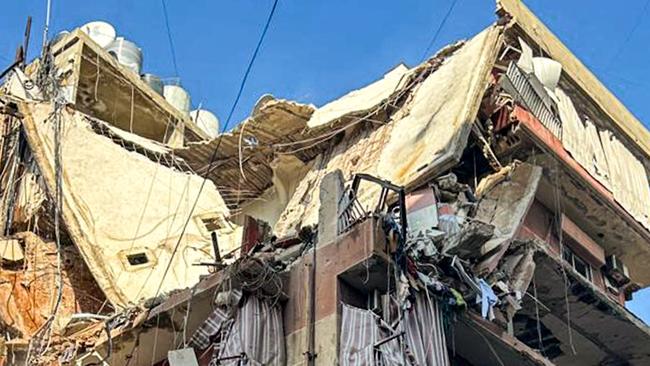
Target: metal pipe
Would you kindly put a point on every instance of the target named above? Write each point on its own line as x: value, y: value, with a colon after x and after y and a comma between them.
x: 215, y: 247
x: 388, y: 339
x: 28, y: 31
x: 47, y: 24
x: 311, y: 351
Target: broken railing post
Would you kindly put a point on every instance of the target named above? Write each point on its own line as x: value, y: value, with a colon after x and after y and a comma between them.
x: 215, y: 248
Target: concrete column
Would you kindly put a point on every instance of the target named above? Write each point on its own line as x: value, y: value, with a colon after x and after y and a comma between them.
x: 331, y: 191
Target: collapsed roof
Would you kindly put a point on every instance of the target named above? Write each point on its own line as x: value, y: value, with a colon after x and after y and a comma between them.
x: 125, y: 212
x: 126, y: 198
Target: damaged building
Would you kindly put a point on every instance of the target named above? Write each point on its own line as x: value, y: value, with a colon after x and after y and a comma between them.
x: 489, y: 206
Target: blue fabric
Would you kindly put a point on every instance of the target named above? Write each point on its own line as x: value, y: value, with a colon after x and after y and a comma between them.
x: 487, y: 299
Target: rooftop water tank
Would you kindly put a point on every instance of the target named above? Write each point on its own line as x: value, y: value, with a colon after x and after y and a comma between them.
x: 177, y: 97
x: 101, y: 32
x: 206, y: 121
x: 127, y: 53
x: 154, y: 82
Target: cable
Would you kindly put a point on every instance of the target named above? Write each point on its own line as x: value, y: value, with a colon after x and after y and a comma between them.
x: 636, y: 25
x: 250, y: 65
x: 216, y: 148
x: 49, y: 83
x: 437, y: 33
x: 540, y: 341
x: 169, y: 37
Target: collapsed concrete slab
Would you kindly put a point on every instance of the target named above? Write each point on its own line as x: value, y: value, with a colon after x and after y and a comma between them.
x: 125, y: 212
x: 475, y: 209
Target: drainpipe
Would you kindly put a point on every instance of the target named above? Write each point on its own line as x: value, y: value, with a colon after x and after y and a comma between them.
x: 311, y: 351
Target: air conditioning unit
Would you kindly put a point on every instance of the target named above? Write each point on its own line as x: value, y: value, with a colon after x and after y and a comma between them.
x: 630, y: 289
x: 616, y: 270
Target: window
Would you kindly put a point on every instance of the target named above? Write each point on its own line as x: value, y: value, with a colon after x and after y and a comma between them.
x: 582, y: 267
x: 212, y: 222
x: 611, y: 287
x: 137, y: 259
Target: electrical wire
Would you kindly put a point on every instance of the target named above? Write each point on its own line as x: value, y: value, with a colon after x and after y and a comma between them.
x: 216, y: 149
x: 49, y: 84
x: 633, y: 30
x: 438, y: 30
x: 59, y: 104
x: 169, y: 37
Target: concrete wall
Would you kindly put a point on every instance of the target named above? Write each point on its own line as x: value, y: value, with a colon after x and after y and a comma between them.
x: 332, y: 260
x: 540, y: 224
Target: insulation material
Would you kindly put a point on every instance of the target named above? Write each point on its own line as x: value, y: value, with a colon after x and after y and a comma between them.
x: 360, y: 101
x: 581, y: 140
x: 445, y: 104
x: 125, y: 213
x: 629, y: 180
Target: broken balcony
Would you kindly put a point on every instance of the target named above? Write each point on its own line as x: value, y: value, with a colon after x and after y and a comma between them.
x: 567, y: 310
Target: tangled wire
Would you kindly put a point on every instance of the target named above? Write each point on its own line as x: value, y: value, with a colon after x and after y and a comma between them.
x: 256, y: 276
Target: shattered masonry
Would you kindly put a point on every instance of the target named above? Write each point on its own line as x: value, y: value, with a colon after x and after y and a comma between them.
x: 486, y: 207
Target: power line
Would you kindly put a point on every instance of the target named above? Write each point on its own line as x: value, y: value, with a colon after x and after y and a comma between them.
x: 438, y: 30
x: 627, y: 39
x: 250, y: 65
x: 216, y: 148
x: 169, y: 37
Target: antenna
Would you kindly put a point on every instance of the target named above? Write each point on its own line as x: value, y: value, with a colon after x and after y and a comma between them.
x: 47, y: 23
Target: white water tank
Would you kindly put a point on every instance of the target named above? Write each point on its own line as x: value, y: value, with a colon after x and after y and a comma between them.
x: 206, y: 121
x: 154, y: 82
x: 177, y: 97
x: 59, y: 37
x: 101, y: 32
x: 127, y: 53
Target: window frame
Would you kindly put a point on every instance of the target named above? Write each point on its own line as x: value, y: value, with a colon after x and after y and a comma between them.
x: 571, y: 258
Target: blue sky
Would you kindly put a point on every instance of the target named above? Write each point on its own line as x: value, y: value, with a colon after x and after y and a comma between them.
x: 316, y: 51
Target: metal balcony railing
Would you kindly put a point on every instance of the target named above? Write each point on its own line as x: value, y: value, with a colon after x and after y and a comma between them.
x: 528, y: 91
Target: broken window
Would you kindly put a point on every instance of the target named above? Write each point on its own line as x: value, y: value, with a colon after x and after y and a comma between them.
x: 211, y: 222
x: 137, y: 259
x: 582, y: 267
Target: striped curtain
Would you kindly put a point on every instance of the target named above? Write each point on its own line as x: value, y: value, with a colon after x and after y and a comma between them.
x: 424, y: 337
x: 360, y: 332
x: 256, y: 337
x: 425, y: 332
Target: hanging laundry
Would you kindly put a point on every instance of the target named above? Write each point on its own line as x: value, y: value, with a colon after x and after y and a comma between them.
x: 487, y: 298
